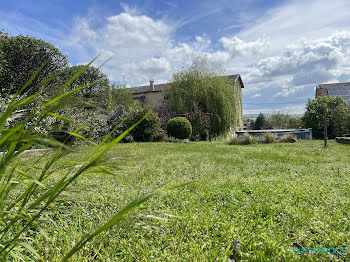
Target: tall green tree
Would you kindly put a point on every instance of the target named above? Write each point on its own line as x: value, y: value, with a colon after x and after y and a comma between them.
x: 260, y: 122
x: 120, y: 95
x: 89, y: 76
x: 198, y: 88
x: 279, y: 120
x: 92, y: 97
x: 21, y: 56
x: 100, y: 95
x: 337, y: 116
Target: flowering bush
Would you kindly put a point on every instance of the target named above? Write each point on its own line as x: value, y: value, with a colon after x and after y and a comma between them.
x: 200, y: 125
x: 95, y: 125
x: 165, y: 112
x: 115, y: 119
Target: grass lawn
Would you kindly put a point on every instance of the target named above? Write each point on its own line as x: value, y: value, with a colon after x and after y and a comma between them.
x: 248, y: 203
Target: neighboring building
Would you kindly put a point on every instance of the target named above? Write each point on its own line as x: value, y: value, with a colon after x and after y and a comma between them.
x: 151, y: 94
x: 154, y: 94
x: 335, y: 89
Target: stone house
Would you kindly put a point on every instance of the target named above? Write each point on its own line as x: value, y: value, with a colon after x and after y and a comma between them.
x: 154, y: 94
x: 334, y: 89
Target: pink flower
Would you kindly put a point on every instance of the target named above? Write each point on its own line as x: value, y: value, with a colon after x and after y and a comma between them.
x: 46, y: 248
x: 20, y: 236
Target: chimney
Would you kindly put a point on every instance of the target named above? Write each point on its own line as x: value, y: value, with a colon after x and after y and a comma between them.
x: 151, y: 84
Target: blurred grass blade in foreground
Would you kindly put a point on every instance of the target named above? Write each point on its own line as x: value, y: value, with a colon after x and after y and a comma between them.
x: 25, y: 189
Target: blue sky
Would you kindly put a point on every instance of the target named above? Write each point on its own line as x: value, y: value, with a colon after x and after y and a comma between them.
x: 282, y: 49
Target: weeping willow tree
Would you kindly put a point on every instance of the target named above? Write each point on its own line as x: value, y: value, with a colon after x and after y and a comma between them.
x: 198, y: 88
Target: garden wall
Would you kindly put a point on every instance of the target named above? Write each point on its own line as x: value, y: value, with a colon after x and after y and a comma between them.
x: 299, y: 133
x: 343, y: 140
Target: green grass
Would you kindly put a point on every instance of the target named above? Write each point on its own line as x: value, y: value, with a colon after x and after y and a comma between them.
x: 250, y: 203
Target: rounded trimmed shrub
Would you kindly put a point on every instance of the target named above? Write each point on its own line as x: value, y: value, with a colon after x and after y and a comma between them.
x: 179, y: 127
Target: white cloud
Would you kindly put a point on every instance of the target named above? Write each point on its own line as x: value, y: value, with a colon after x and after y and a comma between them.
x: 238, y: 47
x: 280, y: 57
x: 298, y: 19
x: 129, y: 10
x: 140, y: 47
x: 136, y: 43
x: 310, y: 62
x: 151, y: 67
x: 255, y: 96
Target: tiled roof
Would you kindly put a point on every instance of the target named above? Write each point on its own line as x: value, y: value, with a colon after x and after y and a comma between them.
x: 146, y: 89
x: 333, y: 85
x: 163, y: 87
x: 336, y: 89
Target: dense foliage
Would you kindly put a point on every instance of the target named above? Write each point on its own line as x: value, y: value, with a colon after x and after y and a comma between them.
x: 268, y: 138
x: 199, y: 89
x: 116, y: 118
x: 279, y: 120
x: 119, y: 95
x: 165, y: 112
x: 179, y: 127
x: 98, y: 117
x: 260, y: 122
x: 94, y: 124
x: 95, y: 95
x: 276, y: 120
x: 93, y: 108
x: 337, y: 116
x: 21, y: 56
x: 34, y: 193
x: 90, y: 106
x: 200, y: 123
x: 288, y: 138
x: 149, y: 130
